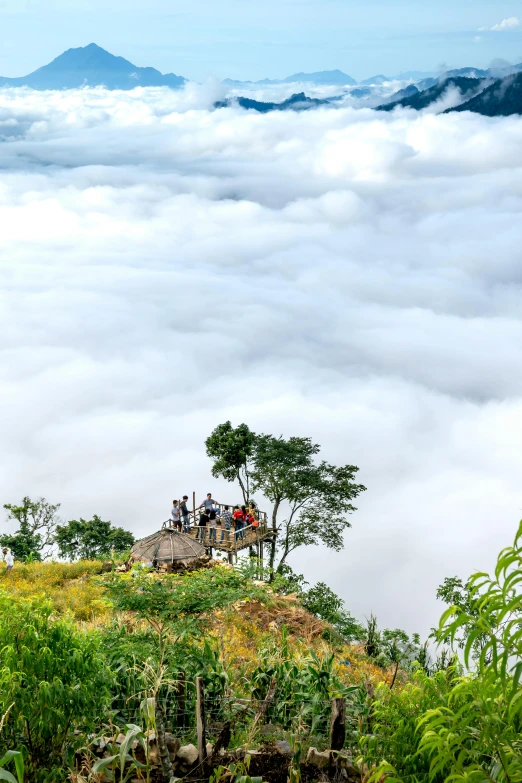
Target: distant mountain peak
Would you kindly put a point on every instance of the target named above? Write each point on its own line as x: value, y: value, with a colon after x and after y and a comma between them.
x: 93, y: 66
x: 335, y: 77
x: 91, y: 57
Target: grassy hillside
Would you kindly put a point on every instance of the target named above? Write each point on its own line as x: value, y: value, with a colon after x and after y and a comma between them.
x: 143, y: 636
x: 99, y: 673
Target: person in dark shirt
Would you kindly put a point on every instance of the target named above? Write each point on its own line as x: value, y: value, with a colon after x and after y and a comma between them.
x: 212, y: 525
x: 185, y: 514
x: 203, y: 522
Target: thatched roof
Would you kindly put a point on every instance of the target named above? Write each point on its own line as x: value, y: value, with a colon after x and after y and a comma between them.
x: 167, y: 546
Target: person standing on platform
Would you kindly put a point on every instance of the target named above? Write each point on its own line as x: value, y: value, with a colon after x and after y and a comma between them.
x: 203, y: 522
x: 209, y: 503
x: 185, y: 515
x: 238, y: 521
x: 226, y: 521
x: 175, y: 515
x: 212, y: 526
x: 244, y: 512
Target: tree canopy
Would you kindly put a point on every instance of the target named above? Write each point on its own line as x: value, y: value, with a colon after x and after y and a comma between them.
x: 37, y: 521
x: 231, y: 451
x: 87, y: 539
x: 316, y: 495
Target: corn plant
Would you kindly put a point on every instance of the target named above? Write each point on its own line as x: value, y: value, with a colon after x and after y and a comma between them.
x: 17, y: 757
x: 237, y: 772
x: 304, y: 687
x: 120, y: 759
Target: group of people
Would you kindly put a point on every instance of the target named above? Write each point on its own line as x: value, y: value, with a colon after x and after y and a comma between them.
x: 214, y: 519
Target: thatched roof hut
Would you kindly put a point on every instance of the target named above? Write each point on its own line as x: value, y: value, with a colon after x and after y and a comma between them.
x: 168, y: 546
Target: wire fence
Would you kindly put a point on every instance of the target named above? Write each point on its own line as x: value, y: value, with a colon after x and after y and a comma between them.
x: 181, y: 715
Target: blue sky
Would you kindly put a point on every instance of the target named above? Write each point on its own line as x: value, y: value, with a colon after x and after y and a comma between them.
x: 244, y: 39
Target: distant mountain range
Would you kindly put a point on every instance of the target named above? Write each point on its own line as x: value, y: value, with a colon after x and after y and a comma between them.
x: 500, y: 99
x: 333, y: 79
x: 421, y: 99
x: 496, y: 91
x: 330, y: 78
x: 297, y: 102
x: 491, y: 97
x: 92, y: 66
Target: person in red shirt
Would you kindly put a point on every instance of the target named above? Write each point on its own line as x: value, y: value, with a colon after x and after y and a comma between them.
x: 239, y: 519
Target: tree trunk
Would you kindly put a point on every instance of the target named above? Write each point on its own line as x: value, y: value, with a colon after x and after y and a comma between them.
x: 273, y: 542
x: 272, y: 560
x: 274, y: 515
x: 244, y: 489
x: 201, y: 721
x: 338, y: 724
x: 394, y: 675
x: 166, y: 764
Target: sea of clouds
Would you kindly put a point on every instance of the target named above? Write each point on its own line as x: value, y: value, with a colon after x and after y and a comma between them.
x: 340, y: 273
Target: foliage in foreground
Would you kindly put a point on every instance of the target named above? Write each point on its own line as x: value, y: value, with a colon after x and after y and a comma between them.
x: 53, y: 681
x: 471, y: 732
x: 454, y: 722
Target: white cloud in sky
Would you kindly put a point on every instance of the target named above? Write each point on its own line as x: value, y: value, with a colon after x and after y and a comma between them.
x: 506, y: 24
x: 342, y: 274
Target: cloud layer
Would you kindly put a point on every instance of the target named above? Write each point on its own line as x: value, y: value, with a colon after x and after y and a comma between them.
x: 342, y: 274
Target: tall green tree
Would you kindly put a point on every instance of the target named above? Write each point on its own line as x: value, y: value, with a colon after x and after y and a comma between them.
x: 37, y: 520
x: 317, y: 495
x: 324, y: 603
x: 87, y: 539
x: 231, y: 450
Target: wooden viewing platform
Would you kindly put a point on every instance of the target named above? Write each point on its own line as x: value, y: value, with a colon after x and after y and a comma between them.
x: 232, y: 540
x: 229, y: 541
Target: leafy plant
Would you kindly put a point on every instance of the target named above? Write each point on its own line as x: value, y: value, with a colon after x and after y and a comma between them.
x: 235, y: 773
x: 54, y: 676
x: 304, y: 687
x: 120, y: 758
x: 474, y: 733
x: 393, y: 732
x: 17, y: 757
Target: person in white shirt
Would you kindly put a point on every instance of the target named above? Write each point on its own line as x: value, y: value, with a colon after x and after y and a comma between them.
x: 9, y: 559
x: 175, y: 515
